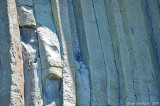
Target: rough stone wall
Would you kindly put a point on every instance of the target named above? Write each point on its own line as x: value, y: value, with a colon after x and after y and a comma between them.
x: 118, y: 41
x: 127, y: 42
x: 11, y: 64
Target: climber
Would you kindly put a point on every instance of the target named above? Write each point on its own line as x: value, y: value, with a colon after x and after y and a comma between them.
x: 79, y: 53
x: 78, y: 56
x: 78, y: 59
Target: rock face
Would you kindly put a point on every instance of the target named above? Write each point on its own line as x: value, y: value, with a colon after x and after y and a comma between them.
x: 51, y: 66
x: 11, y: 64
x: 119, y: 47
x: 82, y: 84
x: 24, y: 3
x: 25, y: 16
x: 49, y: 49
x: 31, y: 66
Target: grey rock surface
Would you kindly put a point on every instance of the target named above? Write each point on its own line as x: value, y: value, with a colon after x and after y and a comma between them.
x: 143, y: 53
x: 32, y: 67
x: 108, y: 53
x: 11, y: 64
x: 152, y: 19
x: 64, y: 28
x: 77, y: 65
x: 123, y: 65
x: 82, y: 86
x: 95, y: 60
x: 43, y: 14
x: 52, y: 89
x: 26, y: 17
x: 49, y: 48
x: 119, y: 49
x: 74, y: 34
x: 24, y: 3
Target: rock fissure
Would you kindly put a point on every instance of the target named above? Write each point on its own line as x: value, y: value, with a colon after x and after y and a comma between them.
x: 151, y: 32
x: 99, y: 36
x: 152, y: 35
x: 118, y: 41
x: 129, y: 48
x: 119, y: 93
x: 134, y: 88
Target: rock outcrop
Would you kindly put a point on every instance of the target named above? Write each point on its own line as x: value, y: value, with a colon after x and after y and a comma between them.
x: 26, y: 17
x: 118, y: 42
x: 51, y: 66
x: 82, y: 84
x: 11, y: 64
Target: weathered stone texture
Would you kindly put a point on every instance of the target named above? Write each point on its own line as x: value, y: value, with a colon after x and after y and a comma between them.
x: 108, y: 53
x: 25, y: 16
x: 49, y: 49
x: 82, y: 84
x: 74, y: 34
x: 24, y: 3
x: 121, y: 53
x: 69, y: 93
x: 141, y: 50
x: 32, y: 67
x: 95, y: 62
x: 118, y: 41
x: 43, y: 14
x: 11, y: 79
x: 153, y: 16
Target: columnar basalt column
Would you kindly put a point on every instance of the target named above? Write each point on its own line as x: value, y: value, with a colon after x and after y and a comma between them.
x: 62, y: 22
x: 88, y: 31
x: 11, y: 67
x: 145, y: 68
x: 51, y: 65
